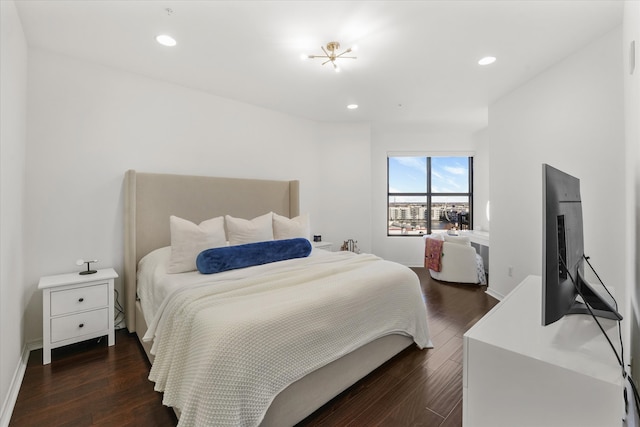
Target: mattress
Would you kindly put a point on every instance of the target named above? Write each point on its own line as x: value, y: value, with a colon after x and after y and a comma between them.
x: 227, y: 344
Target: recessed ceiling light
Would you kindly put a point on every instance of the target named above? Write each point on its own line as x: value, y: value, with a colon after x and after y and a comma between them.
x: 487, y: 60
x: 352, y: 106
x: 166, y: 40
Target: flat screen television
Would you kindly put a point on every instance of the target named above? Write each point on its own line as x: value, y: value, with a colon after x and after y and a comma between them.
x: 563, y: 256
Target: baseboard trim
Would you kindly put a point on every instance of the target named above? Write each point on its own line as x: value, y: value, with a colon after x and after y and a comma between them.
x: 16, y: 382
x: 35, y: 345
x: 494, y: 294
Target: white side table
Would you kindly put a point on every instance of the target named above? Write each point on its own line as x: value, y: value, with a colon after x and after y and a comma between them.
x: 75, y: 308
x: 327, y: 246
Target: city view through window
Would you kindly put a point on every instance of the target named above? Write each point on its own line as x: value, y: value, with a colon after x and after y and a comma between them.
x: 428, y: 194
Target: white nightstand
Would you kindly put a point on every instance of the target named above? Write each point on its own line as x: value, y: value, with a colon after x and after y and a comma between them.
x: 327, y: 246
x: 75, y: 308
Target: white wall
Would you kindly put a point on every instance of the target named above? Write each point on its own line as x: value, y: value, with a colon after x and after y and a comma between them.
x: 344, y: 194
x: 88, y: 124
x: 13, y: 112
x: 405, y: 250
x: 481, y: 174
x: 631, y: 32
x: 570, y: 116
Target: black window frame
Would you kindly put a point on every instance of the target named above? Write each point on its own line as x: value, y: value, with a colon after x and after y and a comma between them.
x: 429, y: 194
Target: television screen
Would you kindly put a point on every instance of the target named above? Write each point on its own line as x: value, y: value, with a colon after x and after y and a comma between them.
x: 563, y: 252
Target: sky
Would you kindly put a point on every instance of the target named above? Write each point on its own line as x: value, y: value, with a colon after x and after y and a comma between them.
x: 409, y: 174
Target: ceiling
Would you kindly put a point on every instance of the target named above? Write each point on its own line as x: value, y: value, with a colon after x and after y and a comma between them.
x: 416, y: 66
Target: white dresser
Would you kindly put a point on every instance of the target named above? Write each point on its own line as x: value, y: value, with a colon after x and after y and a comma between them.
x: 520, y: 373
x: 75, y: 308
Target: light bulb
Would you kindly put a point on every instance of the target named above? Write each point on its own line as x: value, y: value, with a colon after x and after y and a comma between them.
x: 166, y: 40
x: 487, y: 60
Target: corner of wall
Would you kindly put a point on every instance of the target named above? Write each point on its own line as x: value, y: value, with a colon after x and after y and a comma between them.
x: 631, y: 55
x: 13, y: 118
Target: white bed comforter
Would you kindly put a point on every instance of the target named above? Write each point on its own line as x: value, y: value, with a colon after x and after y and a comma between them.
x: 224, y: 350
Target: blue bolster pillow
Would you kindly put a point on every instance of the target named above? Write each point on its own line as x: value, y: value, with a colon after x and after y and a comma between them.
x: 216, y: 260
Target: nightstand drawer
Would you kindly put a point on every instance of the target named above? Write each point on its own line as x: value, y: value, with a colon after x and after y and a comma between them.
x: 79, y: 299
x: 76, y: 325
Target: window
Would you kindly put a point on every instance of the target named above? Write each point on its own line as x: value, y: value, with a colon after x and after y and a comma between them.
x: 427, y: 194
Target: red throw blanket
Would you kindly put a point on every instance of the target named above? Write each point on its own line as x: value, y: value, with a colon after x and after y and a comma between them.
x: 432, y: 252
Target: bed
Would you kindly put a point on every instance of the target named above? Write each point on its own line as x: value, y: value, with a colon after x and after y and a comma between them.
x: 150, y: 199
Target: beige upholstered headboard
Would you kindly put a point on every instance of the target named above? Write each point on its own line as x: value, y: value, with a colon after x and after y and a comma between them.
x: 151, y: 198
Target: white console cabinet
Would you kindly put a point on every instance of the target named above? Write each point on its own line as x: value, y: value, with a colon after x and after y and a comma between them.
x: 519, y: 373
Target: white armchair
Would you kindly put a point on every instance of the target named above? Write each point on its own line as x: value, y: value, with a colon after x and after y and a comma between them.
x: 459, y: 262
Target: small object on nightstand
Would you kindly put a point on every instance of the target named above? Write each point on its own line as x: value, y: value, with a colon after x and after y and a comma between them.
x: 76, y: 308
x: 88, y: 270
x: 351, y: 246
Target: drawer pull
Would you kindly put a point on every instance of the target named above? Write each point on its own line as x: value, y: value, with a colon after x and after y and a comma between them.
x: 81, y: 325
x: 80, y: 299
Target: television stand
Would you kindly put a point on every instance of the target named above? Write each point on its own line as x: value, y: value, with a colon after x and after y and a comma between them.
x: 518, y: 372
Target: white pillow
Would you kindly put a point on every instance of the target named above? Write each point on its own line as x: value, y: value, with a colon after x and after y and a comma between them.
x: 189, y: 239
x: 461, y: 240
x: 285, y: 228
x: 241, y: 231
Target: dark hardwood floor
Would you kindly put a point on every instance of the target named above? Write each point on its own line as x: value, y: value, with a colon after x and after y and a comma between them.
x: 91, y: 384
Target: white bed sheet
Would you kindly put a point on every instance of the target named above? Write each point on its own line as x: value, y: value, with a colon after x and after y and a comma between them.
x: 155, y: 284
x: 226, y: 344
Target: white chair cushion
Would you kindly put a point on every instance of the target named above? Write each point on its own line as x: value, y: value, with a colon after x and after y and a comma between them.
x: 437, y: 236
x: 460, y: 240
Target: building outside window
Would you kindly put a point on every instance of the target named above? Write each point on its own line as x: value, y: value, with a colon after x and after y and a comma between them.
x: 429, y: 193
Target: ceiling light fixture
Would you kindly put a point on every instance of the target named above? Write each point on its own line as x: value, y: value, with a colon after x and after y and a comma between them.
x: 352, y: 106
x: 166, y: 40
x: 330, y: 55
x: 487, y: 60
